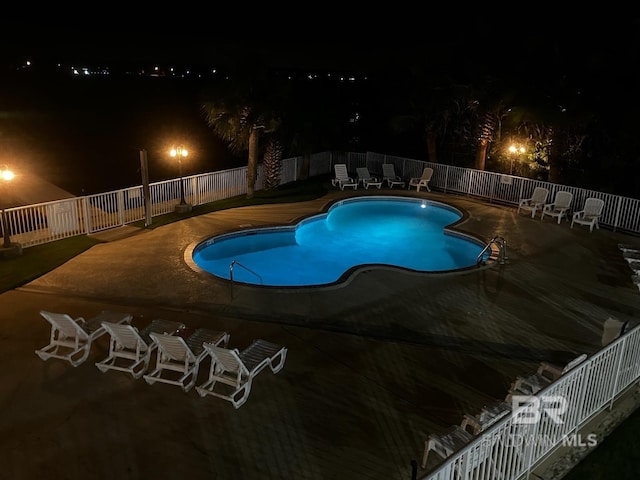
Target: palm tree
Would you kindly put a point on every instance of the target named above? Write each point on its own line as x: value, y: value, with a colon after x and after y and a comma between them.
x: 424, y: 108
x: 315, y: 119
x: 486, y: 133
x: 239, y: 110
x: 272, y: 164
x: 481, y: 113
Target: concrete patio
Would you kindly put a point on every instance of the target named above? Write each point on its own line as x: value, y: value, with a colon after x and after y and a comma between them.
x: 373, y: 367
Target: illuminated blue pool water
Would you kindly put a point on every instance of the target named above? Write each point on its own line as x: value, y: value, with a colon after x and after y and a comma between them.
x: 366, y: 231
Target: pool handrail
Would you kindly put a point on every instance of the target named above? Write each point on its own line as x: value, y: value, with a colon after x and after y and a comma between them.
x: 501, y: 243
x: 235, y: 262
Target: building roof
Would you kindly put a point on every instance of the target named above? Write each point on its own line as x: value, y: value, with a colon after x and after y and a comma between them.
x: 29, y: 189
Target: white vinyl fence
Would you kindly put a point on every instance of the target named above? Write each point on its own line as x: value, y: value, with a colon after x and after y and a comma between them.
x: 510, y: 449
x: 45, y: 222
x: 620, y: 213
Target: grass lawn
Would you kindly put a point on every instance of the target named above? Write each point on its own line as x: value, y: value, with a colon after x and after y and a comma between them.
x: 40, y: 259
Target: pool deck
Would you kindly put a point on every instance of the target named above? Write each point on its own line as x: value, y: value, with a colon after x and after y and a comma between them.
x: 373, y: 367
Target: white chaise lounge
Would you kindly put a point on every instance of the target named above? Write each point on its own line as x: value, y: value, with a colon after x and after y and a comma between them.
x: 232, y: 371
x: 366, y: 179
x: 546, y: 374
x: 130, y: 350
x: 476, y: 462
x: 490, y: 414
x: 389, y: 176
x: 71, y: 339
x: 342, y: 178
x: 178, y: 361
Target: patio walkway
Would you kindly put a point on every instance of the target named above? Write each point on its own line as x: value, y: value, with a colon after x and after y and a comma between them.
x: 373, y: 367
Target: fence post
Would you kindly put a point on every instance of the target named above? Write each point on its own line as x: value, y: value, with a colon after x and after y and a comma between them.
x: 87, y: 215
x: 195, y: 198
x: 144, y: 171
x: 120, y: 203
x: 618, y: 207
x: 446, y: 178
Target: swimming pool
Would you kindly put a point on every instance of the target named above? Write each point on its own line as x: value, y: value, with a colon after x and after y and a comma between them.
x: 357, y: 233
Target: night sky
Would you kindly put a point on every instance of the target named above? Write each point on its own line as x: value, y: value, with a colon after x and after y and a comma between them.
x: 495, y: 39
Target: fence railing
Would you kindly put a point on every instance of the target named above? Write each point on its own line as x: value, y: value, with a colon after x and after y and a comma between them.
x: 45, y: 222
x: 620, y: 213
x: 511, y: 448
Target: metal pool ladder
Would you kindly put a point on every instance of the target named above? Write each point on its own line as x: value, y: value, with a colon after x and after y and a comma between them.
x: 234, y: 263
x: 499, y: 242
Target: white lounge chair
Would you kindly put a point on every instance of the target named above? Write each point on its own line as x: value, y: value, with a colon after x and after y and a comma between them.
x: 389, y: 176
x: 233, y: 371
x: 629, y: 248
x: 612, y: 330
x: 631, y: 256
x: 590, y: 213
x: 422, y: 181
x: 560, y: 206
x: 178, y: 361
x: 546, y: 374
x: 71, y: 339
x: 446, y: 444
x: 490, y: 414
x: 536, y: 202
x: 365, y: 178
x: 634, y: 265
x: 633, y: 260
x: 631, y: 253
x: 553, y: 372
x: 130, y: 350
x: 476, y: 462
x: 342, y: 178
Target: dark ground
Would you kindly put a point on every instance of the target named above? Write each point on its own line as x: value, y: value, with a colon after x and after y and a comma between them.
x: 373, y: 367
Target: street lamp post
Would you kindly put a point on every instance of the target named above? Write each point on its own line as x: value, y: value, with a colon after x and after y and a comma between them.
x: 180, y: 153
x: 6, y: 176
x: 515, y: 151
